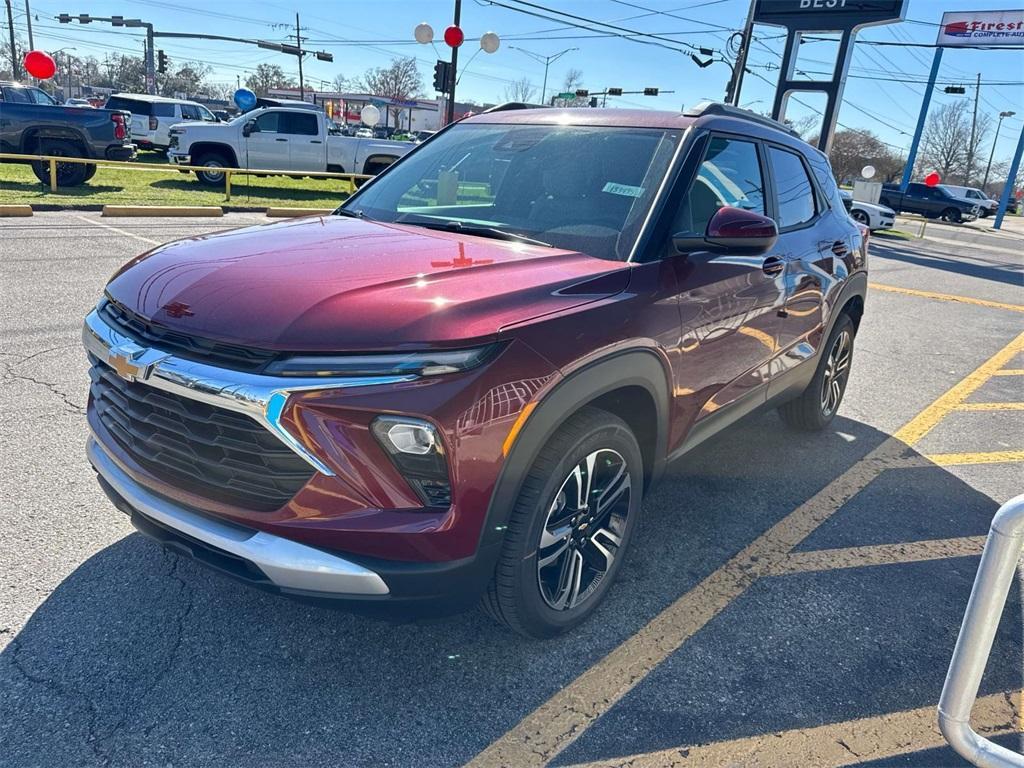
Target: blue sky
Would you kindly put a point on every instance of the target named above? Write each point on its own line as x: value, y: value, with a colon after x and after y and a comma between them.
x: 383, y: 29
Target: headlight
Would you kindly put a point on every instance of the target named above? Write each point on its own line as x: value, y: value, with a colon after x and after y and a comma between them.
x: 415, y: 363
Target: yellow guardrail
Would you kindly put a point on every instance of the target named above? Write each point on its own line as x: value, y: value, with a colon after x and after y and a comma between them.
x: 228, y: 172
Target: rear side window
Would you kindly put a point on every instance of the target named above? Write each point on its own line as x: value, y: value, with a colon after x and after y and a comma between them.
x: 129, y: 105
x: 16, y: 96
x: 300, y: 123
x: 793, y: 189
x: 730, y: 175
x: 163, y: 109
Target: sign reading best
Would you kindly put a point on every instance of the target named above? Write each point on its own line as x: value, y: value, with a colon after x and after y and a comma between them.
x: 960, y: 28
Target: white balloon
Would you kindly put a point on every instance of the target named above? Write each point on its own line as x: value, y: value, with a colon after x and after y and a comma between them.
x: 489, y: 41
x: 867, y: 171
x: 424, y: 33
x: 370, y: 115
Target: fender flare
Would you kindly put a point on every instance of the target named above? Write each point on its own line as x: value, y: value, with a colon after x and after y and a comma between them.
x: 634, y: 367
x: 856, y: 285
x: 216, y: 146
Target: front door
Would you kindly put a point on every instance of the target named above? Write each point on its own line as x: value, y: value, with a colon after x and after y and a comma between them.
x: 729, y: 304
x: 267, y: 147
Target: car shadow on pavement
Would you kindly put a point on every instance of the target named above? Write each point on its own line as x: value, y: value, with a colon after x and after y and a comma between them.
x: 998, y: 271
x: 143, y: 657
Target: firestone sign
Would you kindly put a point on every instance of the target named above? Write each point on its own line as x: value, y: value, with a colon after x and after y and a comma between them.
x: 960, y: 28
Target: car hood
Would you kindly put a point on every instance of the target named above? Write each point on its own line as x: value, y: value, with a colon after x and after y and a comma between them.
x: 335, y: 284
x: 873, y: 207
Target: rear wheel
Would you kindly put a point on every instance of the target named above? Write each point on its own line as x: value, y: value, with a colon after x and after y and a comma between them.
x: 68, y: 174
x: 214, y: 161
x: 570, y: 528
x: 817, y: 405
x: 952, y: 215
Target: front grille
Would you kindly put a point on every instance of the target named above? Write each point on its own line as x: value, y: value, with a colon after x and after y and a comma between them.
x: 151, y: 334
x: 200, y: 448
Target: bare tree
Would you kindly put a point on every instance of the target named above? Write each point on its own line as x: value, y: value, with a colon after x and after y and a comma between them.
x: 520, y: 90
x: 268, y: 76
x: 982, y: 127
x: 400, y: 81
x: 340, y: 83
x: 573, y: 82
x: 944, y: 141
x: 852, y: 150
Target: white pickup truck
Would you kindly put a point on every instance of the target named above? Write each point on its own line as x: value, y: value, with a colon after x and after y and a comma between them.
x: 278, y: 139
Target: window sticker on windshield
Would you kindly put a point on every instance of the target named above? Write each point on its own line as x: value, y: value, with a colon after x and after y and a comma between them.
x: 626, y: 190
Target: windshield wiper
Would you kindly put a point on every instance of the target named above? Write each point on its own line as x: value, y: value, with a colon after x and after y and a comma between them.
x: 472, y: 229
x: 356, y: 214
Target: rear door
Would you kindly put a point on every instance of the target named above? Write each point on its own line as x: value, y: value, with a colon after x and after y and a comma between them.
x: 306, y: 148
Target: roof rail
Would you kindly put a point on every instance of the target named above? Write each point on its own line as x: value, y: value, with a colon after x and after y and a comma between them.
x: 727, y: 110
x: 510, y: 105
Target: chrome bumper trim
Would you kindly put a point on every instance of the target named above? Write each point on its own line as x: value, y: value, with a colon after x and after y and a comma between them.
x: 262, y: 398
x: 286, y: 563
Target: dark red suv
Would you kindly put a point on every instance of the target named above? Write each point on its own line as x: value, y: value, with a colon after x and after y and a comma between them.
x: 459, y: 386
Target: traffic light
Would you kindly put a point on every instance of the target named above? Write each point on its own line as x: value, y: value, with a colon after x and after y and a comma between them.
x: 650, y: 91
x: 117, y: 21
x: 84, y: 18
x: 161, y: 62
x: 64, y: 18
x: 614, y: 91
x: 582, y: 93
x: 593, y: 101
x: 442, y: 70
x: 324, y: 56
x: 955, y: 89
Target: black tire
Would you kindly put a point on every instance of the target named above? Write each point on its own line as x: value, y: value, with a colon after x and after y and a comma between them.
x: 860, y: 217
x: 68, y: 174
x: 520, y: 594
x: 90, y: 172
x: 952, y: 215
x: 811, y: 411
x: 212, y: 160
x: 984, y: 213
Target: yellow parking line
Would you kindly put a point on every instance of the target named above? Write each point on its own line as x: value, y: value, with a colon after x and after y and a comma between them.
x: 881, y: 737
x: 925, y: 421
x: 560, y: 720
x: 991, y: 457
x: 947, y: 297
x: 990, y: 407
x: 1010, y: 372
x: 877, y: 554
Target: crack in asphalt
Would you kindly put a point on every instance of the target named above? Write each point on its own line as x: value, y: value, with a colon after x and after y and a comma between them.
x: 72, y: 406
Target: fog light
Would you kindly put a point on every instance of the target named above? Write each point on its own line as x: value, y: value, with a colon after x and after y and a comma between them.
x: 417, y: 452
x: 412, y: 438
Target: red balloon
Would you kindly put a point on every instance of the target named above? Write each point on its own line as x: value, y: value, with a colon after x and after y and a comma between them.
x: 40, y: 65
x: 932, y: 179
x: 453, y: 36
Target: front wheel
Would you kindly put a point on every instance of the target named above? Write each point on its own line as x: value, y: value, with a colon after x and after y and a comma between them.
x: 860, y: 217
x: 570, y: 528
x: 952, y: 215
x: 817, y: 405
x: 214, y: 177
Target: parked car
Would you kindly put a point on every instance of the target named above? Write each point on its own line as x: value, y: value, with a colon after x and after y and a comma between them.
x: 223, y: 115
x: 278, y: 139
x: 33, y: 123
x: 364, y: 133
x: 461, y: 385
x: 931, y: 202
x: 872, y: 216
x: 78, y: 103
x: 153, y: 116
x: 421, y: 136
x: 986, y: 205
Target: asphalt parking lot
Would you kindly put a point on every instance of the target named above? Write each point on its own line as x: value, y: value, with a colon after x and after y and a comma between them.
x: 790, y: 600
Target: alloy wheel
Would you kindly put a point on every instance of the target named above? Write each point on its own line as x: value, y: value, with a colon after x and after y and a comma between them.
x: 837, y: 369
x: 860, y: 217
x: 213, y: 176
x: 584, y: 529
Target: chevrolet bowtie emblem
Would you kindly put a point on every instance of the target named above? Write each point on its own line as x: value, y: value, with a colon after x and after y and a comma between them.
x: 122, y: 360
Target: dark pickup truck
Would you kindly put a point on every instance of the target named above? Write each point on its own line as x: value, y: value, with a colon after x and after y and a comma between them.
x: 32, y: 123
x: 930, y: 202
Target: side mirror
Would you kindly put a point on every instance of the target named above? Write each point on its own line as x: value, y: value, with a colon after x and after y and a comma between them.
x: 250, y: 128
x: 736, y: 230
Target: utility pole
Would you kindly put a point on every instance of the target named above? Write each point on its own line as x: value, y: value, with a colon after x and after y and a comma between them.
x: 14, y: 51
x: 995, y: 141
x: 546, y: 61
x: 974, y: 126
x: 455, y: 63
x: 732, y: 90
x: 28, y: 20
x: 298, y: 44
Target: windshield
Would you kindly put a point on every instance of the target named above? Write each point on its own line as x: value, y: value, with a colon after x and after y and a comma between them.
x: 585, y: 189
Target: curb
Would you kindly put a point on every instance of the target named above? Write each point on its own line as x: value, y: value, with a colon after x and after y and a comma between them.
x: 162, y: 210
x: 293, y: 212
x: 15, y: 210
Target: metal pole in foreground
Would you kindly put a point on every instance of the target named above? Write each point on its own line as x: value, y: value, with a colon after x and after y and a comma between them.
x: 1004, y: 199
x: 912, y: 156
x: 450, y: 117
x: 14, y: 49
x: 988, y: 597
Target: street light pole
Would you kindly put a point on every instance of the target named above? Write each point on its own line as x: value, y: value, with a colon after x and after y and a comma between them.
x: 546, y: 61
x: 991, y: 154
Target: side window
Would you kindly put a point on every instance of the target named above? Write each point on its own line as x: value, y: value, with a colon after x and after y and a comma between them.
x: 300, y: 124
x: 189, y: 112
x: 268, y: 122
x: 206, y: 115
x: 730, y: 175
x: 41, y: 97
x: 16, y: 96
x: 793, y: 189
x: 162, y: 109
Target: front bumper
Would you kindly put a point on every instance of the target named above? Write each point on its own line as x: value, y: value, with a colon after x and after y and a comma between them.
x: 179, y: 158
x: 285, y: 564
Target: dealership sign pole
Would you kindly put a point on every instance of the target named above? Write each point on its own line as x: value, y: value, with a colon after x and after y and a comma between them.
x: 845, y: 17
x: 964, y: 29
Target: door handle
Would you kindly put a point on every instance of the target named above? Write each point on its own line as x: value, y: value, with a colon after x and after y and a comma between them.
x: 315, y: 141
x: 280, y: 139
x: 773, y: 265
